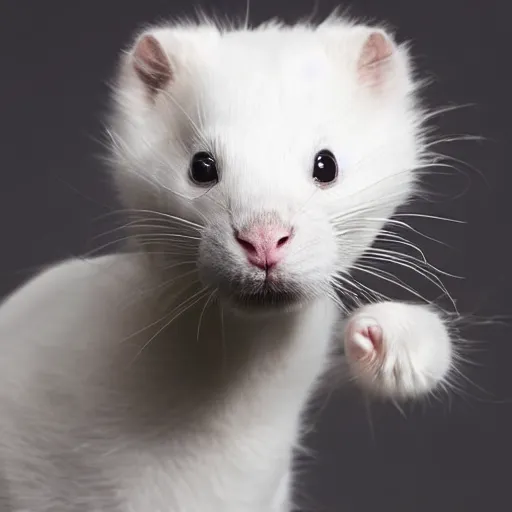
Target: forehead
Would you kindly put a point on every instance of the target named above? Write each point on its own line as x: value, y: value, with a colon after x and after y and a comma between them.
x: 255, y: 77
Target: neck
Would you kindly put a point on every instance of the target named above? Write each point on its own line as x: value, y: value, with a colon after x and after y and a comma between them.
x: 201, y: 352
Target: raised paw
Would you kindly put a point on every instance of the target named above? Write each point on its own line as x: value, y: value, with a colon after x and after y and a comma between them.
x: 397, y: 350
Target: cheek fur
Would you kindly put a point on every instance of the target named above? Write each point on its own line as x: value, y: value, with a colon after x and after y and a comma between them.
x: 220, y: 261
x: 313, y: 253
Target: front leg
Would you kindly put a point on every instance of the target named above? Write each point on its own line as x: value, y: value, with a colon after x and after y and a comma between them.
x: 398, y: 350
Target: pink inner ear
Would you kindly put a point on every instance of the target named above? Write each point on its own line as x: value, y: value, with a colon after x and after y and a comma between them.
x: 375, y: 54
x: 151, y: 64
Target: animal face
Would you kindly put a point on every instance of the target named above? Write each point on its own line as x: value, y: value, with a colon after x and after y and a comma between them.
x: 279, y: 152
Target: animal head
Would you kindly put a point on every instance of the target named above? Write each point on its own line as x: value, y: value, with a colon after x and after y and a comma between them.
x: 275, y: 154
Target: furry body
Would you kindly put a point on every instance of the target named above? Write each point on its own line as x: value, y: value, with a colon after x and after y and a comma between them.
x: 141, y: 382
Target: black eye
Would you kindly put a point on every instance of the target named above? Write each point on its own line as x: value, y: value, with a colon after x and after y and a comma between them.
x: 325, y: 168
x: 203, y: 169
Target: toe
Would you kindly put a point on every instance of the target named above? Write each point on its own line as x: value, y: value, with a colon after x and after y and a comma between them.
x: 364, y: 338
x: 360, y: 346
x: 376, y: 336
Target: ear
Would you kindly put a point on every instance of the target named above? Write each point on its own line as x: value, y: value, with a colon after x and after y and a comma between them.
x: 375, y: 61
x: 151, y: 64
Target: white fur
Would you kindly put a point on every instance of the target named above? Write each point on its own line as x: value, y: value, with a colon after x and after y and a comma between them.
x: 115, y: 397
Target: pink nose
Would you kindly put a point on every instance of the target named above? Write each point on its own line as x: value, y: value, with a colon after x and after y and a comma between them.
x: 264, y: 244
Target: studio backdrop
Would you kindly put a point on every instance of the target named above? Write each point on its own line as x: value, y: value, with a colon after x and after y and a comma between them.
x: 450, y: 453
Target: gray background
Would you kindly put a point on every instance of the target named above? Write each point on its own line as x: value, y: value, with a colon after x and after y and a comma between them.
x: 450, y: 455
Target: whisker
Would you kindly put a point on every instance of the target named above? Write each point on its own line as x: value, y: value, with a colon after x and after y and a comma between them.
x: 152, y: 324
x: 176, y: 313
x: 430, y: 217
x: 156, y: 213
x: 395, y: 281
x: 137, y: 238
x: 443, y: 110
x: 454, y: 138
x: 402, y: 224
x: 145, y: 292
x: 349, y: 280
x: 202, y: 312
x: 137, y: 225
x: 197, y: 131
x: 385, y: 236
x: 407, y: 258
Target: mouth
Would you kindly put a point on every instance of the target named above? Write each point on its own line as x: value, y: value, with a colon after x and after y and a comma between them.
x: 268, y: 300
x: 267, y: 297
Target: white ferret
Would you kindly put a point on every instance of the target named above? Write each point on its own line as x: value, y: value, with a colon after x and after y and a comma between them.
x: 256, y: 166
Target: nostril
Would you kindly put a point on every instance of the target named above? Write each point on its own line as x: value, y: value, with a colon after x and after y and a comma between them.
x: 246, y: 245
x: 283, y: 240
